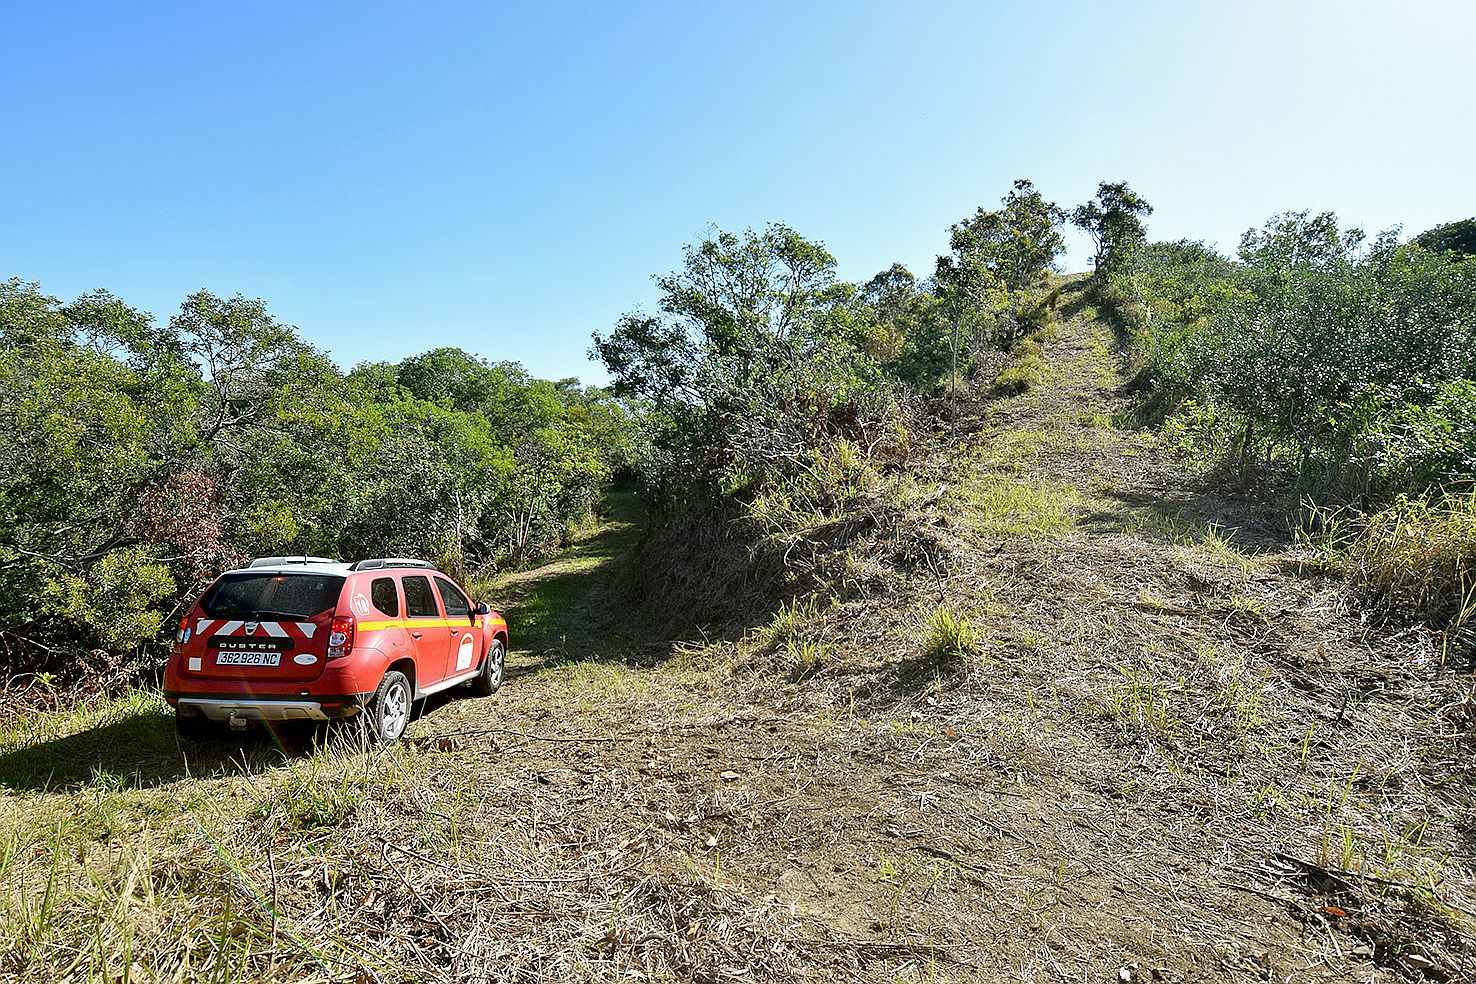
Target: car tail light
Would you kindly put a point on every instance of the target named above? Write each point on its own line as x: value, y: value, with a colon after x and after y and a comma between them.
x: 182, y: 636
x: 341, y: 636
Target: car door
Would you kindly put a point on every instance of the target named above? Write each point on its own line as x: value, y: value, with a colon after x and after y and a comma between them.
x: 464, y: 645
x: 427, y: 627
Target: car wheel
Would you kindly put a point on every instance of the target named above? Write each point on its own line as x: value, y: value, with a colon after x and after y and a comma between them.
x: 193, y: 727
x: 489, y: 680
x: 389, y: 711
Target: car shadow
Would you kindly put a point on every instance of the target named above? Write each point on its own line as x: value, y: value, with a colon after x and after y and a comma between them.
x: 143, y: 751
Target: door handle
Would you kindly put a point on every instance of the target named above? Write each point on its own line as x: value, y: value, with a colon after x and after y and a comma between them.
x: 416, y: 634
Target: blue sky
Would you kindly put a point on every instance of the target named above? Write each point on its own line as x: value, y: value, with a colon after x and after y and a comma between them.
x: 507, y: 178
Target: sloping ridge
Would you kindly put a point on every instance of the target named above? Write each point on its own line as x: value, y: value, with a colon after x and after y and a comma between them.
x: 1166, y: 754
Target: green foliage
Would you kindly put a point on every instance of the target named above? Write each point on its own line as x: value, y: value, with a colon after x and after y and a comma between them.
x: 1348, y: 365
x: 1026, y: 371
x: 1144, y: 702
x: 1429, y: 439
x: 1343, y: 367
x: 1298, y: 240
x: 1451, y: 237
x: 990, y: 289
x: 948, y: 634
x: 117, y: 598
x: 911, y: 334
x: 1114, y: 220
x: 758, y: 359
x: 137, y: 460
x: 1419, y: 559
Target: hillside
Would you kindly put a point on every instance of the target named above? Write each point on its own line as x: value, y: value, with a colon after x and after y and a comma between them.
x: 1171, y: 749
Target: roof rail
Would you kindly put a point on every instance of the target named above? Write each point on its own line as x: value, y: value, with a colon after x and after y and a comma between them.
x: 382, y: 562
x: 284, y: 561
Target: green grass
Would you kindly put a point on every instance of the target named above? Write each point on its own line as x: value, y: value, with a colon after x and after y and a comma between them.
x: 1028, y: 370
x: 127, y: 740
x: 949, y: 634
x: 1014, y: 507
x: 539, y: 602
x: 806, y: 656
x: 1420, y: 558
x: 788, y: 620
x: 1143, y: 702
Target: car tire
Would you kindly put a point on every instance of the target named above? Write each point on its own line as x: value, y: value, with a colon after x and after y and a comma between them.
x: 193, y: 727
x: 388, y: 714
x: 489, y: 678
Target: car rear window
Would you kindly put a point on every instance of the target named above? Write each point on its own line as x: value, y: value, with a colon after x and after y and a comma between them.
x: 268, y: 596
x: 382, y: 592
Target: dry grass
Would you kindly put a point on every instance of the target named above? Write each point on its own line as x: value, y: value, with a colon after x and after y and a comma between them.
x: 1177, y: 769
x: 1420, y: 559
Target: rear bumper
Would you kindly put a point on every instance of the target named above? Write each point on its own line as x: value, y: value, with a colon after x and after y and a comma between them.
x: 259, y: 707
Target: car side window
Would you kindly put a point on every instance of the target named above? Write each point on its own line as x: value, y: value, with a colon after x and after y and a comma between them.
x: 384, y: 596
x: 419, y: 601
x: 456, y: 604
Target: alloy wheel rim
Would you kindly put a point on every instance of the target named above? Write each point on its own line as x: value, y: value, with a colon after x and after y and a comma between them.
x: 396, y: 710
x: 496, y: 669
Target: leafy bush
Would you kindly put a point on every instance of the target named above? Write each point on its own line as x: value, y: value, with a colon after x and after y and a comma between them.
x: 138, y: 460
x: 1347, y: 366
x: 1428, y: 441
x: 992, y: 287
x: 757, y: 370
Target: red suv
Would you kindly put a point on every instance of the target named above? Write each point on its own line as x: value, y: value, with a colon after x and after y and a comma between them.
x: 307, y: 638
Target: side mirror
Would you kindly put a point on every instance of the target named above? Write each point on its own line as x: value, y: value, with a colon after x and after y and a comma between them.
x: 482, y: 608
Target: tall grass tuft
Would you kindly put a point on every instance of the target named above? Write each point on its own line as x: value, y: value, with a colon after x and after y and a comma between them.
x: 1419, y: 559
x: 949, y: 635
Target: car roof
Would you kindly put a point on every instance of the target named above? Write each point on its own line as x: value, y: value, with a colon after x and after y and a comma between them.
x: 339, y: 570
x: 336, y: 569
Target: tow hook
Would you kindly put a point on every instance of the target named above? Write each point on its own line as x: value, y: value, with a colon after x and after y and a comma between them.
x: 237, y: 723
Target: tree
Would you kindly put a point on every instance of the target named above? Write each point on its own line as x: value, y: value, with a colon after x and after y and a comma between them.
x: 961, y: 283
x: 1451, y: 237
x: 138, y: 460
x: 1291, y: 239
x: 891, y: 293
x: 999, y: 261
x: 96, y: 455
x: 1114, y: 220
x: 1016, y: 244
x: 757, y: 357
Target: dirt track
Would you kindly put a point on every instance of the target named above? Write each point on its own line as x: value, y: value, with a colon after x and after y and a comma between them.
x: 1161, y: 759
x: 1159, y: 710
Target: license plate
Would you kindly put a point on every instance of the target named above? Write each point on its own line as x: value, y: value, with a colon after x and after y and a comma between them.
x: 238, y: 658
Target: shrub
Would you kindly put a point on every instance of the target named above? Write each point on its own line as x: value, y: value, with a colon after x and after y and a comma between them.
x: 1346, y: 366
x: 757, y: 371
x: 137, y: 460
x: 1345, y: 369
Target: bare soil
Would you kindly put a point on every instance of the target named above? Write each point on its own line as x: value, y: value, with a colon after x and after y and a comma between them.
x: 1168, y: 757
